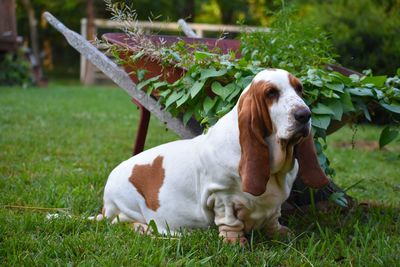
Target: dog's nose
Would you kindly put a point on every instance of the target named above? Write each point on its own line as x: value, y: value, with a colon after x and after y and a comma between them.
x: 302, y: 115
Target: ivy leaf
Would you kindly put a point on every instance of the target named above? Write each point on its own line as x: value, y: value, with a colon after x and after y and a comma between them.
x: 335, y: 86
x: 321, y: 121
x: 201, y: 55
x: 322, y: 109
x: 340, y: 77
x: 364, y: 108
x: 175, y: 56
x: 186, y: 117
x: 327, y: 93
x: 387, y: 136
x: 187, y: 81
x: 159, y: 84
x: 209, y: 103
x: 137, y: 56
x: 212, y: 72
x: 317, y: 83
x: 396, y: 94
x: 164, y: 93
x: 235, y: 92
x: 197, y: 86
x: 378, y: 94
x: 140, y: 74
x: 173, y: 98
x: 322, y: 159
x: 337, y: 107
x: 182, y: 100
x: 347, y: 103
x: 225, y: 109
x: 361, y: 91
x: 354, y: 78
x: 378, y: 81
x: 244, y: 81
x: 222, y: 91
x: 146, y: 82
x: 392, y: 108
x: 339, y: 198
x: 204, y: 121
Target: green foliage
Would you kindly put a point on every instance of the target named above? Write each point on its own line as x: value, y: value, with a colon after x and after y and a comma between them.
x: 14, y: 71
x: 364, y: 32
x: 339, y: 198
x: 331, y: 94
x: 387, y: 136
x: 213, y: 81
x: 291, y: 44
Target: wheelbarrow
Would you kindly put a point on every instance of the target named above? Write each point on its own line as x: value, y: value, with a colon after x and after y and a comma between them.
x: 171, y: 73
x: 300, y: 196
x: 168, y: 73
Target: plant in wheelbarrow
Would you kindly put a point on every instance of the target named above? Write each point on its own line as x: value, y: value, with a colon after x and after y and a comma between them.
x: 206, y: 80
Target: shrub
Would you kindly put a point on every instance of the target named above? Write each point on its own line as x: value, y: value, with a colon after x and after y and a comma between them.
x: 364, y: 32
x: 14, y: 71
x: 291, y: 44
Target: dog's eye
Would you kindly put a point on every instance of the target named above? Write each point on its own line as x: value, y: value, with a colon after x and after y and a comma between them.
x: 273, y: 93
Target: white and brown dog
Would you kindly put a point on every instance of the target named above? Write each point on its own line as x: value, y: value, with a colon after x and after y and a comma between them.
x: 235, y: 176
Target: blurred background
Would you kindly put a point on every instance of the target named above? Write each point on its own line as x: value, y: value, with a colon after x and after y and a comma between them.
x: 364, y: 33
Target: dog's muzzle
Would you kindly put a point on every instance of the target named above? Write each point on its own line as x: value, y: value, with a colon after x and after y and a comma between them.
x: 302, y: 125
x: 302, y: 115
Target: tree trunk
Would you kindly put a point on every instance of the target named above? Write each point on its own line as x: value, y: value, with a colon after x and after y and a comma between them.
x: 90, y: 33
x: 35, y: 58
x: 189, y: 11
x: 227, y: 10
x: 8, y: 27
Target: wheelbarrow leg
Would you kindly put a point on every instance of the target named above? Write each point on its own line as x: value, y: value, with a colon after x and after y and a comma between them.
x: 142, y: 130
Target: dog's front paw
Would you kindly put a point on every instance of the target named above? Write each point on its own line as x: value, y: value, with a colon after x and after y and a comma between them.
x: 284, y: 231
x: 279, y: 232
x: 141, y: 228
x: 233, y: 237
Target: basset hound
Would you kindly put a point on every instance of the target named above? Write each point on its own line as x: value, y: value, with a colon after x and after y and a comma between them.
x: 236, y: 176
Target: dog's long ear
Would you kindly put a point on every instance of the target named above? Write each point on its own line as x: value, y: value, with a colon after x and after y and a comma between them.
x: 254, y: 124
x: 310, y: 172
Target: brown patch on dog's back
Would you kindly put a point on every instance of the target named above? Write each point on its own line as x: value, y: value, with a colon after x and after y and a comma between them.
x: 148, y: 179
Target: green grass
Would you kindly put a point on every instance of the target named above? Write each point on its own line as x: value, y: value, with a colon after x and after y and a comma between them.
x: 58, y: 144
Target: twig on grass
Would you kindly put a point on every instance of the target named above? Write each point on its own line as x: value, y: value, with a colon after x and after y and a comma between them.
x: 35, y: 208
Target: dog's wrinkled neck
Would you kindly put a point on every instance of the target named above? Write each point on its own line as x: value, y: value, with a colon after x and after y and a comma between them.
x: 281, y: 154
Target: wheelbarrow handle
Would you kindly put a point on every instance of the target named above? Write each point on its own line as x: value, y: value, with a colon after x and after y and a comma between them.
x: 120, y: 77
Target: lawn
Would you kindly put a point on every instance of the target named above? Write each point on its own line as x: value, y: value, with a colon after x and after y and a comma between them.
x: 58, y: 144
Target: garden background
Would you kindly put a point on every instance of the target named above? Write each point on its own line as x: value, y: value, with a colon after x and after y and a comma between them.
x: 58, y: 144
